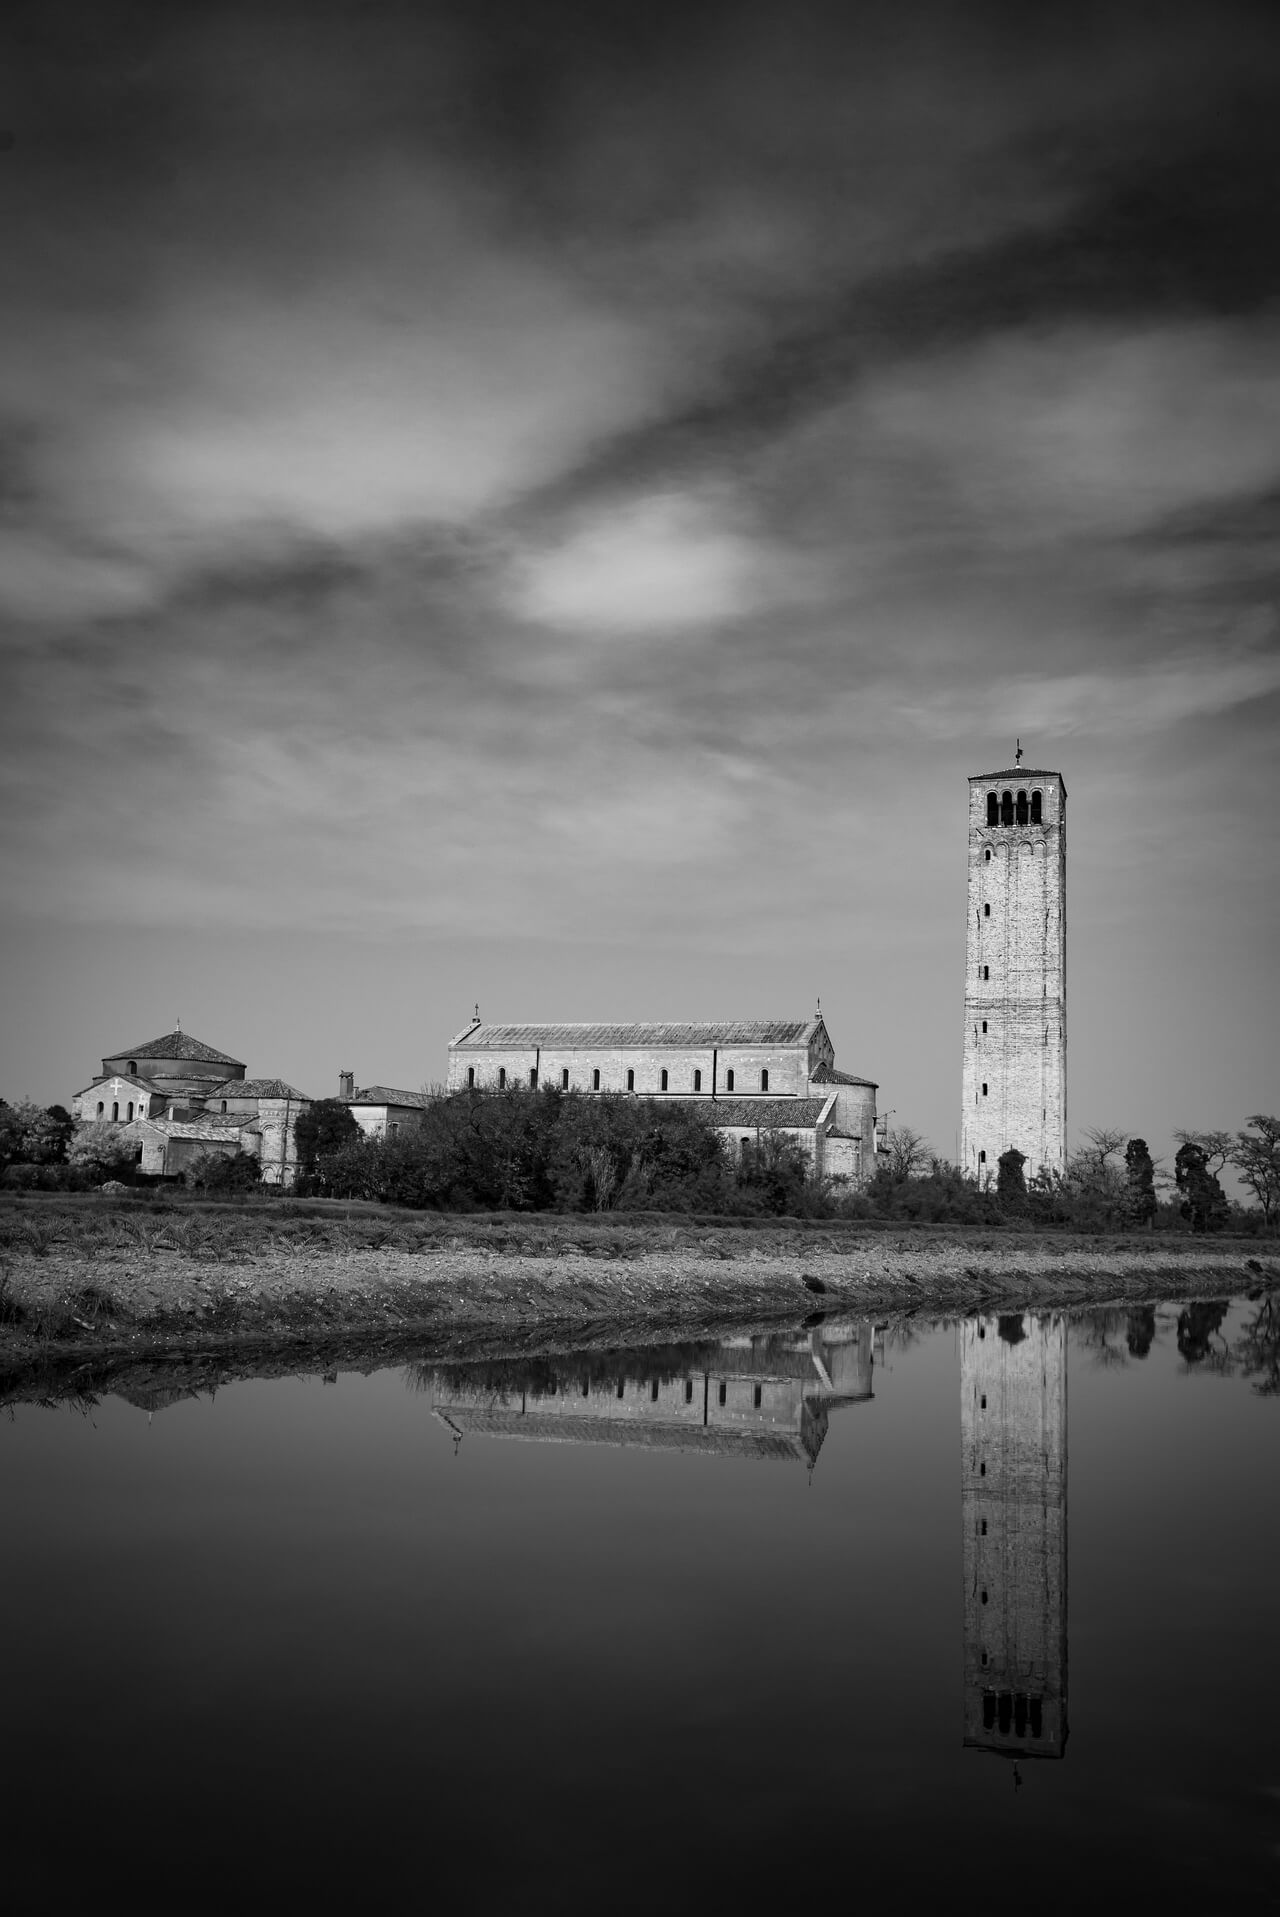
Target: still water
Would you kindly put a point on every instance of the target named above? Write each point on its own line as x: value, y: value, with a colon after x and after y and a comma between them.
x: 978, y: 1610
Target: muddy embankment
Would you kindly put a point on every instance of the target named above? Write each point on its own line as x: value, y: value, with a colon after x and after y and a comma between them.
x: 86, y: 1300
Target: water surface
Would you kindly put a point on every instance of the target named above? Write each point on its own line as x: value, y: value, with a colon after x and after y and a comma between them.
x: 985, y: 1608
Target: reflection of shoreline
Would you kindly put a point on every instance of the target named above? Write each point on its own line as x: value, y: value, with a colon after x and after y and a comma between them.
x: 764, y: 1397
x: 1013, y: 1426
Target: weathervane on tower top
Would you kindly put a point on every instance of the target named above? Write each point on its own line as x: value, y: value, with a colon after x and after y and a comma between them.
x: 1017, y: 757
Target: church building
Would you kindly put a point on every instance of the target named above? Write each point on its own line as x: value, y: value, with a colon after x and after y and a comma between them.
x: 182, y: 1099
x: 751, y: 1076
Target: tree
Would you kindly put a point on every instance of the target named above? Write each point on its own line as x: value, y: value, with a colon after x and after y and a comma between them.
x: 224, y: 1171
x: 906, y: 1152
x: 1140, y: 1183
x: 1011, y: 1184
x: 1256, y: 1156
x: 323, y: 1128
x: 34, y: 1135
x: 102, y: 1148
x: 1204, y: 1203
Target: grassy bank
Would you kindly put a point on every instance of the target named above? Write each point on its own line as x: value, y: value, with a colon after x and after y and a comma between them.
x: 80, y: 1278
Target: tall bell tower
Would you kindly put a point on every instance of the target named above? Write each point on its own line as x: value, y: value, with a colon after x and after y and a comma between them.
x: 1015, y: 995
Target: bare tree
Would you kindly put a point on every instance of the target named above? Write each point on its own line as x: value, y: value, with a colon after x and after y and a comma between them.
x: 908, y: 1152
x: 1218, y: 1147
x: 1256, y: 1156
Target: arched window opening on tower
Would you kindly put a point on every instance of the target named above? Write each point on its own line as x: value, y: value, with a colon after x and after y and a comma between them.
x: 986, y: 911
x: 1023, y: 814
x: 986, y: 857
x: 664, y: 1078
x: 697, y: 1081
x: 631, y: 1081
x: 502, y: 1078
x: 133, y: 1068
x: 764, y: 1081
x: 993, y: 811
x: 471, y: 1078
x: 1006, y: 808
x: 728, y: 1080
x: 1036, y: 801
x: 101, y: 1108
x: 130, y: 1114
x: 595, y: 1081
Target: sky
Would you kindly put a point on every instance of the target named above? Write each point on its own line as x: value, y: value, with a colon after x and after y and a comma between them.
x: 547, y: 505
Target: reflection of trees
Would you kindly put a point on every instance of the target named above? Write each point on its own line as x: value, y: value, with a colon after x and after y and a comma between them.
x: 1197, y: 1326
x: 1257, y: 1350
x: 1095, y: 1329
x: 1140, y: 1330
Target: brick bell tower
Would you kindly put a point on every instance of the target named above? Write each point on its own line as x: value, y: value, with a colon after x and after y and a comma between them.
x: 1015, y: 996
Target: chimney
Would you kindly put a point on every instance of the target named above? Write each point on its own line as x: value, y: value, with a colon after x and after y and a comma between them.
x: 346, y: 1085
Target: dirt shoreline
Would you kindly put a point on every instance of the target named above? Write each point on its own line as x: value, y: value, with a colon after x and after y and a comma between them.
x: 66, y: 1315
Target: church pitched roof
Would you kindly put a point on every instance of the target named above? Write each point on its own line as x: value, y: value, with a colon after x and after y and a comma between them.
x: 828, y: 1075
x: 770, y: 1114
x: 761, y: 1031
x: 255, y: 1088
x: 386, y: 1095
x: 177, y: 1045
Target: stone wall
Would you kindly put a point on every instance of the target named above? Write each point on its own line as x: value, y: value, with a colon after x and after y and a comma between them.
x: 1015, y: 1037
x: 788, y: 1067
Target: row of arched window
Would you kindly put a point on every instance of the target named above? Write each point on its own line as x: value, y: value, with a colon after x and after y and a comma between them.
x: 1004, y: 809
x: 664, y: 1080
x: 115, y: 1111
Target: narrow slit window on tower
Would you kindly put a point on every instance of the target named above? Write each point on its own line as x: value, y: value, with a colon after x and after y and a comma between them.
x: 697, y: 1081
x: 764, y: 1081
x: 101, y: 1108
x: 986, y: 911
x: 982, y: 1402
x: 1036, y: 815
x: 653, y: 1391
x: 982, y: 1159
x: 1006, y: 808
x: 471, y: 1077
x: 631, y: 1081
x: 986, y: 857
x: 723, y: 1391
x: 986, y: 971
x: 115, y: 1111
x: 1023, y: 814
x: 756, y: 1397
x: 622, y: 1386
x: 564, y: 1078
x: 131, y: 1111
x: 993, y: 811
x: 533, y: 1078
x: 728, y: 1080
x: 984, y: 1088
x: 982, y: 1470
x: 502, y: 1078
x: 984, y: 1024
x: 984, y: 1527
x: 595, y: 1081
x: 664, y: 1078
x: 688, y: 1390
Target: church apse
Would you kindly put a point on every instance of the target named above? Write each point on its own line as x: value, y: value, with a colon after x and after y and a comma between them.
x: 1013, y: 1423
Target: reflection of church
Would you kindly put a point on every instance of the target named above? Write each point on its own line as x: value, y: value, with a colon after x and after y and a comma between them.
x: 758, y: 1397
x: 1013, y: 1424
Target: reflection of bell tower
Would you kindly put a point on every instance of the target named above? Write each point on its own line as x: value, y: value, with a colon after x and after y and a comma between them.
x: 1013, y: 1427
